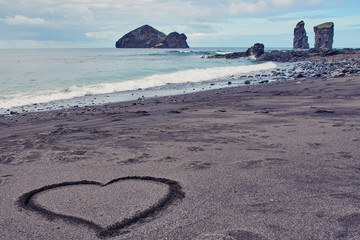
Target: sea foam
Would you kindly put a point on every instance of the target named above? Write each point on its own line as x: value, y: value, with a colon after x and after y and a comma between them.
x: 156, y: 80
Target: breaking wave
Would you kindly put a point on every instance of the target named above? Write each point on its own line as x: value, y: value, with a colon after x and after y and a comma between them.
x: 156, y: 80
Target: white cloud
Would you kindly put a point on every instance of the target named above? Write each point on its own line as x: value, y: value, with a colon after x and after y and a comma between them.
x: 100, y: 35
x: 73, y: 11
x: 107, y: 20
x: 282, y: 3
x: 23, y: 20
x: 197, y: 34
x: 243, y: 7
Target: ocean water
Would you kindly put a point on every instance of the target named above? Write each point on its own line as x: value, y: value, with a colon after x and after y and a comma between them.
x: 43, y: 79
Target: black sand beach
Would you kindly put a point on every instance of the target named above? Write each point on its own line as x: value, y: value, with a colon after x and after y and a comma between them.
x: 268, y: 161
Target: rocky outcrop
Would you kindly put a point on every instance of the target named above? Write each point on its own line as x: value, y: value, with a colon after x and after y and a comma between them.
x: 294, y: 56
x: 288, y: 56
x: 148, y: 37
x: 285, y: 56
x: 142, y: 37
x: 256, y: 50
x: 324, y: 35
x: 174, y: 40
x: 300, y: 37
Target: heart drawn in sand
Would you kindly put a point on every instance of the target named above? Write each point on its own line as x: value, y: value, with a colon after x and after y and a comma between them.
x: 174, y: 192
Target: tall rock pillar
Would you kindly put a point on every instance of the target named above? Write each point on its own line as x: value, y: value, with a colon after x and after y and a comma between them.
x: 300, y: 37
x: 324, y: 35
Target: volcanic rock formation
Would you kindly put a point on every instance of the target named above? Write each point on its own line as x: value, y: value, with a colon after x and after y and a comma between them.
x: 148, y: 37
x: 300, y: 37
x: 324, y: 34
x: 256, y: 50
x: 174, y: 40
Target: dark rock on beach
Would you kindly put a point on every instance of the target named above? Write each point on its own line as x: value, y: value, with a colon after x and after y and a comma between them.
x: 148, y: 37
x: 284, y: 56
x: 229, y: 55
x: 277, y: 56
x: 256, y: 50
x: 324, y: 34
x: 300, y: 37
x: 294, y: 56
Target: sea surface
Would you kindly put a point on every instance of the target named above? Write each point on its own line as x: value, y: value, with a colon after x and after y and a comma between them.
x: 45, y: 79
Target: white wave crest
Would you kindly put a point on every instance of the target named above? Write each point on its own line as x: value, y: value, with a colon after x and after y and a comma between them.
x: 223, y: 53
x: 157, y: 80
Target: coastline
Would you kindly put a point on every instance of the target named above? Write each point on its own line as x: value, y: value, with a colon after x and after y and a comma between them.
x: 164, y: 72
x: 266, y: 161
x: 290, y: 65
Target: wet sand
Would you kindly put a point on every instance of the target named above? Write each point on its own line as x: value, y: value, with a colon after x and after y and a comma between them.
x: 269, y: 161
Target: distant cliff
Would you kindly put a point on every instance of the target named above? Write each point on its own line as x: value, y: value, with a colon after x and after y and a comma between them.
x: 148, y: 37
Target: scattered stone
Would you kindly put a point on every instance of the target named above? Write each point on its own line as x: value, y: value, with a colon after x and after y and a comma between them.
x: 338, y: 74
x: 324, y: 111
x: 142, y: 113
x: 247, y: 82
x: 316, y: 75
x: 299, y: 75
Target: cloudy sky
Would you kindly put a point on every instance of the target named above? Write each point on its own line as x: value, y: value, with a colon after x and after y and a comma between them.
x: 207, y: 23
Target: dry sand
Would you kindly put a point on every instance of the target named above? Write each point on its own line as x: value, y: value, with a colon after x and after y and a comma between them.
x: 273, y: 161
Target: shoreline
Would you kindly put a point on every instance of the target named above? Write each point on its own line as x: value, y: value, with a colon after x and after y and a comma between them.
x: 267, y: 161
x: 163, y: 90
x: 332, y: 65
x: 181, y: 98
